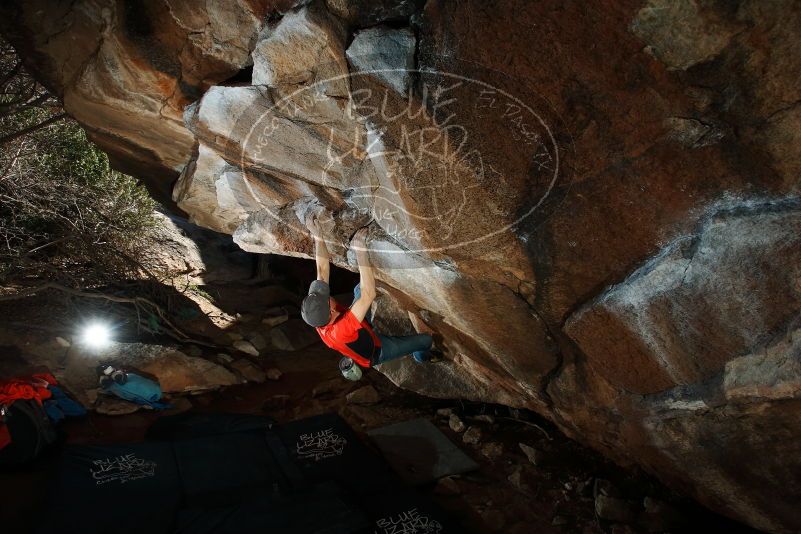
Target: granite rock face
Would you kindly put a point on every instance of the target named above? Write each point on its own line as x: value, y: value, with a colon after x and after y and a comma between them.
x: 707, y: 297
x: 386, y: 53
x: 127, y: 70
x: 179, y: 373
x: 594, y: 208
x: 186, y: 254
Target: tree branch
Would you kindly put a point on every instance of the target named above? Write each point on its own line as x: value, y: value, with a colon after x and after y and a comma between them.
x: 13, y: 72
x: 29, y: 129
x: 174, y: 332
x: 11, y: 164
x: 534, y: 425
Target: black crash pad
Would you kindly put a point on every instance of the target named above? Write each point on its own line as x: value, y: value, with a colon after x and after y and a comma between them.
x: 419, y: 453
x: 405, y: 511
x: 114, y: 489
x: 325, y: 448
x: 237, y: 474
x: 320, y: 509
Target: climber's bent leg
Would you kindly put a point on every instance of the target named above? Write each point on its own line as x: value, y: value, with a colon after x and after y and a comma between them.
x: 393, y: 347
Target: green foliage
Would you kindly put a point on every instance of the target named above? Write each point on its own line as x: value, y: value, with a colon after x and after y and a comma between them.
x: 61, y: 203
x: 65, y: 215
x: 199, y: 291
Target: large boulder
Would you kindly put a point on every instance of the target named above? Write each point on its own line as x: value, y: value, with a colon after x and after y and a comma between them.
x: 698, y: 349
x: 185, y: 254
x: 706, y: 298
x: 595, y: 208
x: 127, y: 70
x: 386, y: 53
x: 175, y: 371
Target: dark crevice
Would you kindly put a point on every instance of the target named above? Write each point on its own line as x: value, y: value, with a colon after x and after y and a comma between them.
x: 552, y: 337
x: 782, y: 109
x: 243, y: 77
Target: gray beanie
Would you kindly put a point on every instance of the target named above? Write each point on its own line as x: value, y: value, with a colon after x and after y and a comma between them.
x: 315, y: 309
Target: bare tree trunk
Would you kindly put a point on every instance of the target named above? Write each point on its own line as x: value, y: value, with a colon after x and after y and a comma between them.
x: 29, y: 129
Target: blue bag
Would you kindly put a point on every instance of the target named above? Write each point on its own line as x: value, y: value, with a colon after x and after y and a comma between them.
x: 140, y: 390
x: 60, y: 406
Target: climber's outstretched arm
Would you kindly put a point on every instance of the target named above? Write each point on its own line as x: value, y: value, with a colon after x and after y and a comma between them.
x: 367, y: 281
x: 321, y: 256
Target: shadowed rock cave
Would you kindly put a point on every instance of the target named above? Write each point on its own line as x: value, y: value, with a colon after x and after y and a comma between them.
x: 592, y: 208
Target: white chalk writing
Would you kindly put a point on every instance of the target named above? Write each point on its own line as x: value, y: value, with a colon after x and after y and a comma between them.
x: 319, y: 445
x: 122, y: 468
x: 408, y: 522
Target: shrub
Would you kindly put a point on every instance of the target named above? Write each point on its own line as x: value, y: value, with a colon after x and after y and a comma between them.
x: 65, y: 215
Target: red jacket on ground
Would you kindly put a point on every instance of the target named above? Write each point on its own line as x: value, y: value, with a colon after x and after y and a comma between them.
x: 29, y: 387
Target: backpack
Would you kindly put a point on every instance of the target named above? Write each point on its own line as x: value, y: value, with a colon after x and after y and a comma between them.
x: 31, y: 432
x: 139, y: 390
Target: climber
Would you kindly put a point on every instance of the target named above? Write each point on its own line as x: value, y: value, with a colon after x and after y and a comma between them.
x: 349, y: 330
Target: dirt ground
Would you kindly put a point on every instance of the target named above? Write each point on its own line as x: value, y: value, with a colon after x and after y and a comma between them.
x: 507, y: 494
x: 551, y: 488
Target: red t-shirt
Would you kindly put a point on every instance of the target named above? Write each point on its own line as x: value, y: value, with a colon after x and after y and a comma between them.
x: 354, y: 339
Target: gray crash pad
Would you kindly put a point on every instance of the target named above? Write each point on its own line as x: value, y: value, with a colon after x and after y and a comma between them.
x: 419, y: 452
